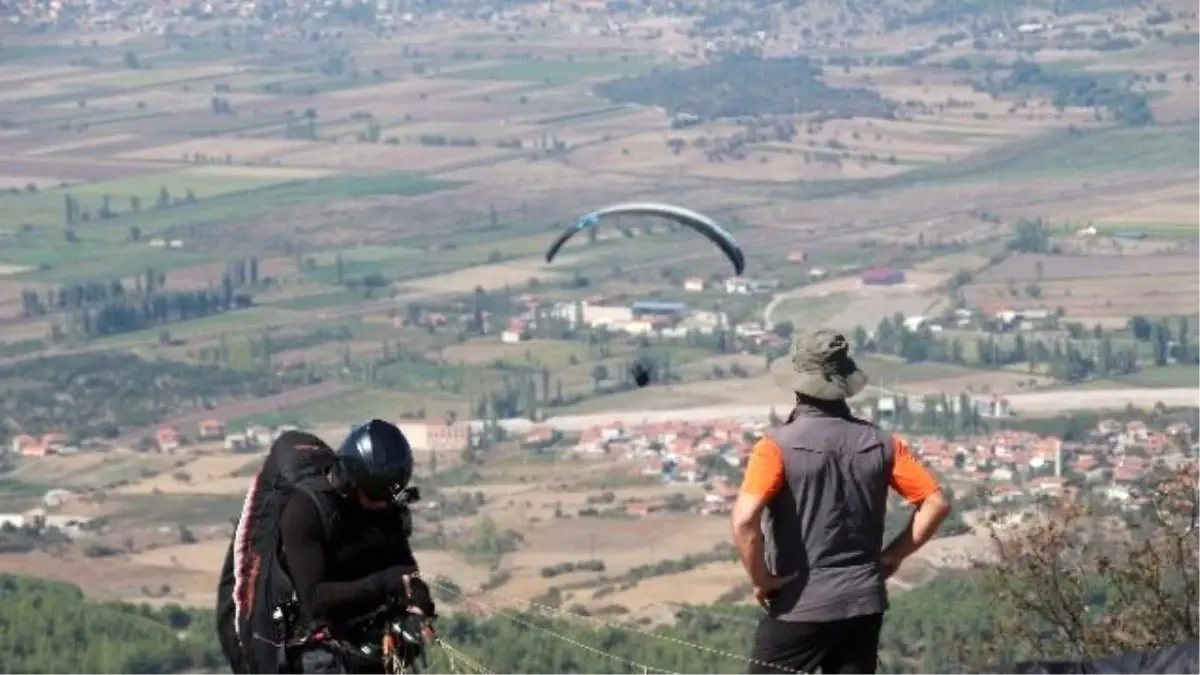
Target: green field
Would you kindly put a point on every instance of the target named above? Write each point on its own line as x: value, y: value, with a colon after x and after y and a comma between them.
x: 164, y: 509
x: 220, y: 198
x: 67, y: 262
x: 356, y: 407
x: 1170, y: 231
x: 557, y: 73
x: 47, y: 207
x: 146, y: 77
x: 890, y: 372
x: 411, y: 263
x: 14, y: 487
x: 36, y: 221
x: 1107, y: 151
x: 318, y: 301
x: 1167, y: 376
x: 237, y: 321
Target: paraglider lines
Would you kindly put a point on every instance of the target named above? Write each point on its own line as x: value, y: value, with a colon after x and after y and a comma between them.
x: 599, y: 652
x: 598, y: 622
x: 454, y: 655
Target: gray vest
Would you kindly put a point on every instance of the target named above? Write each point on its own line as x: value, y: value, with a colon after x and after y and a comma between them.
x: 826, y: 524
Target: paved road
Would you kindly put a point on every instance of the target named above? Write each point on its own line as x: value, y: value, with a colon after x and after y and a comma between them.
x: 1033, y: 404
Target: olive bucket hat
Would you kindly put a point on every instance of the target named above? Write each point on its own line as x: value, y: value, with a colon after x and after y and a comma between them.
x: 822, y: 367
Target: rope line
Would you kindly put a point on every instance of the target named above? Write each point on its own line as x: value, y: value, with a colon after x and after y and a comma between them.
x: 455, y: 654
x: 633, y: 629
x: 599, y: 652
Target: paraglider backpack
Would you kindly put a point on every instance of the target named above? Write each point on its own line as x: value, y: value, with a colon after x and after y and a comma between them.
x: 256, y: 599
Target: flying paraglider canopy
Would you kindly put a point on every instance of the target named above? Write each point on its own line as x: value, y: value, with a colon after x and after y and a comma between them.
x: 697, y: 221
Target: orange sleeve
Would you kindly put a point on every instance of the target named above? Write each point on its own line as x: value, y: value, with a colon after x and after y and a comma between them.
x: 909, y: 478
x: 764, y: 471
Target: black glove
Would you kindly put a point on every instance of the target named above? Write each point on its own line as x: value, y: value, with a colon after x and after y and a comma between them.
x: 420, y: 597
x: 403, y: 581
x: 391, y: 581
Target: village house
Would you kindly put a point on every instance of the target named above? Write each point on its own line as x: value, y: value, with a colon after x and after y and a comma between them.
x: 259, y: 436
x: 211, y: 429
x: 26, y: 446
x: 436, y: 435
x: 693, y: 284
x: 517, y: 331
x: 1005, y: 492
x: 54, y: 441
x: 167, y: 438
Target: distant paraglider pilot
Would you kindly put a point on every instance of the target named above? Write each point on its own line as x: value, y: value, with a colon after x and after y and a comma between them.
x: 816, y: 561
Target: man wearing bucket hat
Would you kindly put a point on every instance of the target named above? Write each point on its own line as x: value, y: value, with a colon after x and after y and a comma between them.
x: 809, y: 520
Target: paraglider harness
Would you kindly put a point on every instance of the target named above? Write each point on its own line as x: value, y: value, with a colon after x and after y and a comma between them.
x: 257, y: 601
x: 392, y: 635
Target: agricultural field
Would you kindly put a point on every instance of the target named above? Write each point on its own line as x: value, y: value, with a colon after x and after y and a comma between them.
x: 1093, y: 289
x: 362, y: 213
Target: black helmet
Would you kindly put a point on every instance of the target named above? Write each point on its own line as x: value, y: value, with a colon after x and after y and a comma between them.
x: 376, y: 459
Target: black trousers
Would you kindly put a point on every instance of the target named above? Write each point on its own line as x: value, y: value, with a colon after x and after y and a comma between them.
x: 846, y: 646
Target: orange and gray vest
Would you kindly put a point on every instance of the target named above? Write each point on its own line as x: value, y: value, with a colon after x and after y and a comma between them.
x: 826, y: 523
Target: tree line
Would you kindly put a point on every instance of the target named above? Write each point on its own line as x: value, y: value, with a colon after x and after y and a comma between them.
x: 76, y: 211
x: 1075, y: 89
x: 96, y: 395
x: 1079, y: 355
x: 746, y: 86
x: 98, y: 308
x: 49, y: 627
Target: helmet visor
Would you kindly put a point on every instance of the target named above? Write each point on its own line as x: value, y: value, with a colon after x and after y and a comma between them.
x: 381, y: 490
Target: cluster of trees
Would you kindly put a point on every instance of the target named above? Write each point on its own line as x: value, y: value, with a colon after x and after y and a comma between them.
x: 98, y: 394
x: 746, y: 86
x: 97, y: 308
x: 1075, y: 89
x: 551, y: 571
x: 49, y: 627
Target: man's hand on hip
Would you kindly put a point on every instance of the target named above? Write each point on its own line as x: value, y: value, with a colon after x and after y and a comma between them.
x: 764, y: 592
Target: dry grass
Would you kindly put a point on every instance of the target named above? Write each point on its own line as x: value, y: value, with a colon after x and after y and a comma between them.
x: 514, y: 273
x: 202, y: 276
x: 205, y: 475
x: 1096, y: 298
x: 79, y: 144
x: 115, y: 578
x: 704, y: 585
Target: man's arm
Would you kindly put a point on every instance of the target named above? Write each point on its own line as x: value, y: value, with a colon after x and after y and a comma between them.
x: 917, y: 486
x: 764, y: 479
x: 304, y: 547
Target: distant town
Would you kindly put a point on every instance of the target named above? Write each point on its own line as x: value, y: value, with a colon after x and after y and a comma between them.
x: 1004, y: 468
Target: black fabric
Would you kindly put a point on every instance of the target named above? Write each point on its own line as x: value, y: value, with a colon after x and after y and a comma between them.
x: 226, y: 628
x: 846, y: 646
x: 1182, y: 658
x: 341, y: 577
